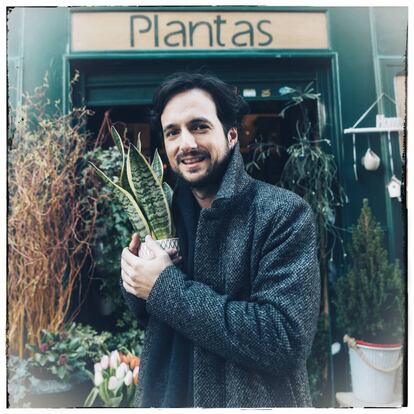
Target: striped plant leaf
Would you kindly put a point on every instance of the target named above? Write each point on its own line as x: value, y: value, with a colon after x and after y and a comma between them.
x: 120, y: 145
x: 128, y: 203
x: 148, y: 191
x: 157, y: 165
x: 168, y: 191
x: 139, y: 141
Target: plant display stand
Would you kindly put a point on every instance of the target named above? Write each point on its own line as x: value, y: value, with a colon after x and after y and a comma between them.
x: 347, y: 399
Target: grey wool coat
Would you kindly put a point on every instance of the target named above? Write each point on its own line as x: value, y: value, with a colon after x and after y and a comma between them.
x: 251, y: 310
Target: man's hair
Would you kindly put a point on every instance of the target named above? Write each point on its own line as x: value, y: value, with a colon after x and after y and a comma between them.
x: 230, y: 106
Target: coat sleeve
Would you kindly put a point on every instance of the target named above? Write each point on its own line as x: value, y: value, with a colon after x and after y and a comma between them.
x: 136, y: 305
x: 273, y: 331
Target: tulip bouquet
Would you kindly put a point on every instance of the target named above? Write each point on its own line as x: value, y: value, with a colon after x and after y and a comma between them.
x: 115, y: 377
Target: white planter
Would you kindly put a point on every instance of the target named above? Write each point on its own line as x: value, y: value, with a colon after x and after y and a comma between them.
x: 370, y: 363
x: 145, y: 252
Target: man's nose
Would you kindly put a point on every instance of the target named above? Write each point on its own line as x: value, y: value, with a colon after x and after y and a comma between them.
x: 187, y: 140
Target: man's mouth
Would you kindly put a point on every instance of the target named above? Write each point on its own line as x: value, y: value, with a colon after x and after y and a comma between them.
x: 193, y: 160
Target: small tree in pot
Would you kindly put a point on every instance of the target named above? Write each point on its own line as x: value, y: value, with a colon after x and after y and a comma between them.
x: 370, y: 307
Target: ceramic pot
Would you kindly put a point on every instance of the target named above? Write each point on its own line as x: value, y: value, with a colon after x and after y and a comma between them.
x: 370, y: 160
x: 145, y: 252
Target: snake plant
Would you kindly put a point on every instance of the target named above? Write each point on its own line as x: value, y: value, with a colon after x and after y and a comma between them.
x: 142, y: 192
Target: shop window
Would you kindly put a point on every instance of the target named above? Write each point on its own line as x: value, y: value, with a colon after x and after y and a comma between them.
x: 265, y: 130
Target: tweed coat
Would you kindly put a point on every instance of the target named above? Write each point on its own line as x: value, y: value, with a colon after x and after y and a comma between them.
x: 251, y: 310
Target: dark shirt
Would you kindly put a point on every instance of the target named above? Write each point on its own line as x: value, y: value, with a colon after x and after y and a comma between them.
x: 175, y: 351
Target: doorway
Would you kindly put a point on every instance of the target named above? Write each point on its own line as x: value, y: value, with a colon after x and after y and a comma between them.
x: 264, y: 136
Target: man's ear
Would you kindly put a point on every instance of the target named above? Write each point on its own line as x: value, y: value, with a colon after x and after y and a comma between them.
x: 232, y: 137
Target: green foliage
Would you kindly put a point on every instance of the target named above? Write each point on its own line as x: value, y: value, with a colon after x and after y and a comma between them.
x: 141, y: 192
x: 127, y: 341
x: 96, y: 345
x: 60, y: 353
x: 130, y: 340
x: 310, y: 170
x: 370, y: 299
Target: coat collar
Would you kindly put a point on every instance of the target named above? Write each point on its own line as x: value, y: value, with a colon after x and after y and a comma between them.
x: 235, y: 181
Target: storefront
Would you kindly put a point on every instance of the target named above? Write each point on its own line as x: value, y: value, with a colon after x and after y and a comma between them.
x: 350, y: 56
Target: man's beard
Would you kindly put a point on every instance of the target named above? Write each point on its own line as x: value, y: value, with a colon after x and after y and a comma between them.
x: 212, y: 176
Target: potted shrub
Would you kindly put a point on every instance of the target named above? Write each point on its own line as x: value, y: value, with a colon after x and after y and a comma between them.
x: 143, y: 194
x: 370, y: 310
x: 58, y: 367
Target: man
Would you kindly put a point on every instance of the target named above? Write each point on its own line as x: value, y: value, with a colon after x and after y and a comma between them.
x: 232, y: 324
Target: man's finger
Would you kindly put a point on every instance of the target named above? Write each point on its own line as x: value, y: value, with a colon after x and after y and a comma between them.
x: 130, y: 258
x: 153, y: 246
x: 127, y: 279
x: 177, y: 259
x: 172, y: 251
x: 134, y: 244
x: 128, y: 288
x: 126, y: 267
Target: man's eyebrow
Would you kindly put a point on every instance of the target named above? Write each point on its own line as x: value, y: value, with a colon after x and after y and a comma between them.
x: 199, y: 119
x: 192, y: 122
x: 168, y: 127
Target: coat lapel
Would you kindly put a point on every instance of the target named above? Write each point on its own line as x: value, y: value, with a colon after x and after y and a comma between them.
x: 208, y: 255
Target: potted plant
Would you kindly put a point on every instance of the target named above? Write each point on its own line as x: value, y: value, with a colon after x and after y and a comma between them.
x: 58, y: 367
x: 370, y: 310
x: 143, y: 194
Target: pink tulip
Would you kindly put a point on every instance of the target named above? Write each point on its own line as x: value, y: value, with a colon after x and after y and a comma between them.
x: 114, y: 360
x: 97, y: 367
x: 121, y: 370
x: 114, y: 383
x: 128, y: 378
x: 105, y: 362
x: 98, y: 378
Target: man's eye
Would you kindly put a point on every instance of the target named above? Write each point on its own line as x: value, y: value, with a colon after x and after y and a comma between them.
x: 201, y: 127
x: 171, y: 133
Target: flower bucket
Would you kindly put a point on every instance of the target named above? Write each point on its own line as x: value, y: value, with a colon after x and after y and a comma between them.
x: 146, y: 253
x: 374, y: 370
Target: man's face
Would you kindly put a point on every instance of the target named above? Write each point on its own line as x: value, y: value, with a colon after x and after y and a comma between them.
x: 195, y: 143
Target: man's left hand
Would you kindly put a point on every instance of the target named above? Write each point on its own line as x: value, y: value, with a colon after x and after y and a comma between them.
x: 138, y: 274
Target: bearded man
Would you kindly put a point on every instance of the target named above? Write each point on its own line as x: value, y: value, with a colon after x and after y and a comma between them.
x: 232, y: 323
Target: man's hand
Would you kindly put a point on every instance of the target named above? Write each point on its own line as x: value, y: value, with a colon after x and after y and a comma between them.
x: 138, y: 274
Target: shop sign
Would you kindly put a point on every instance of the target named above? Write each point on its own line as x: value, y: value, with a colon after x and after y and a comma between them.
x: 122, y: 31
